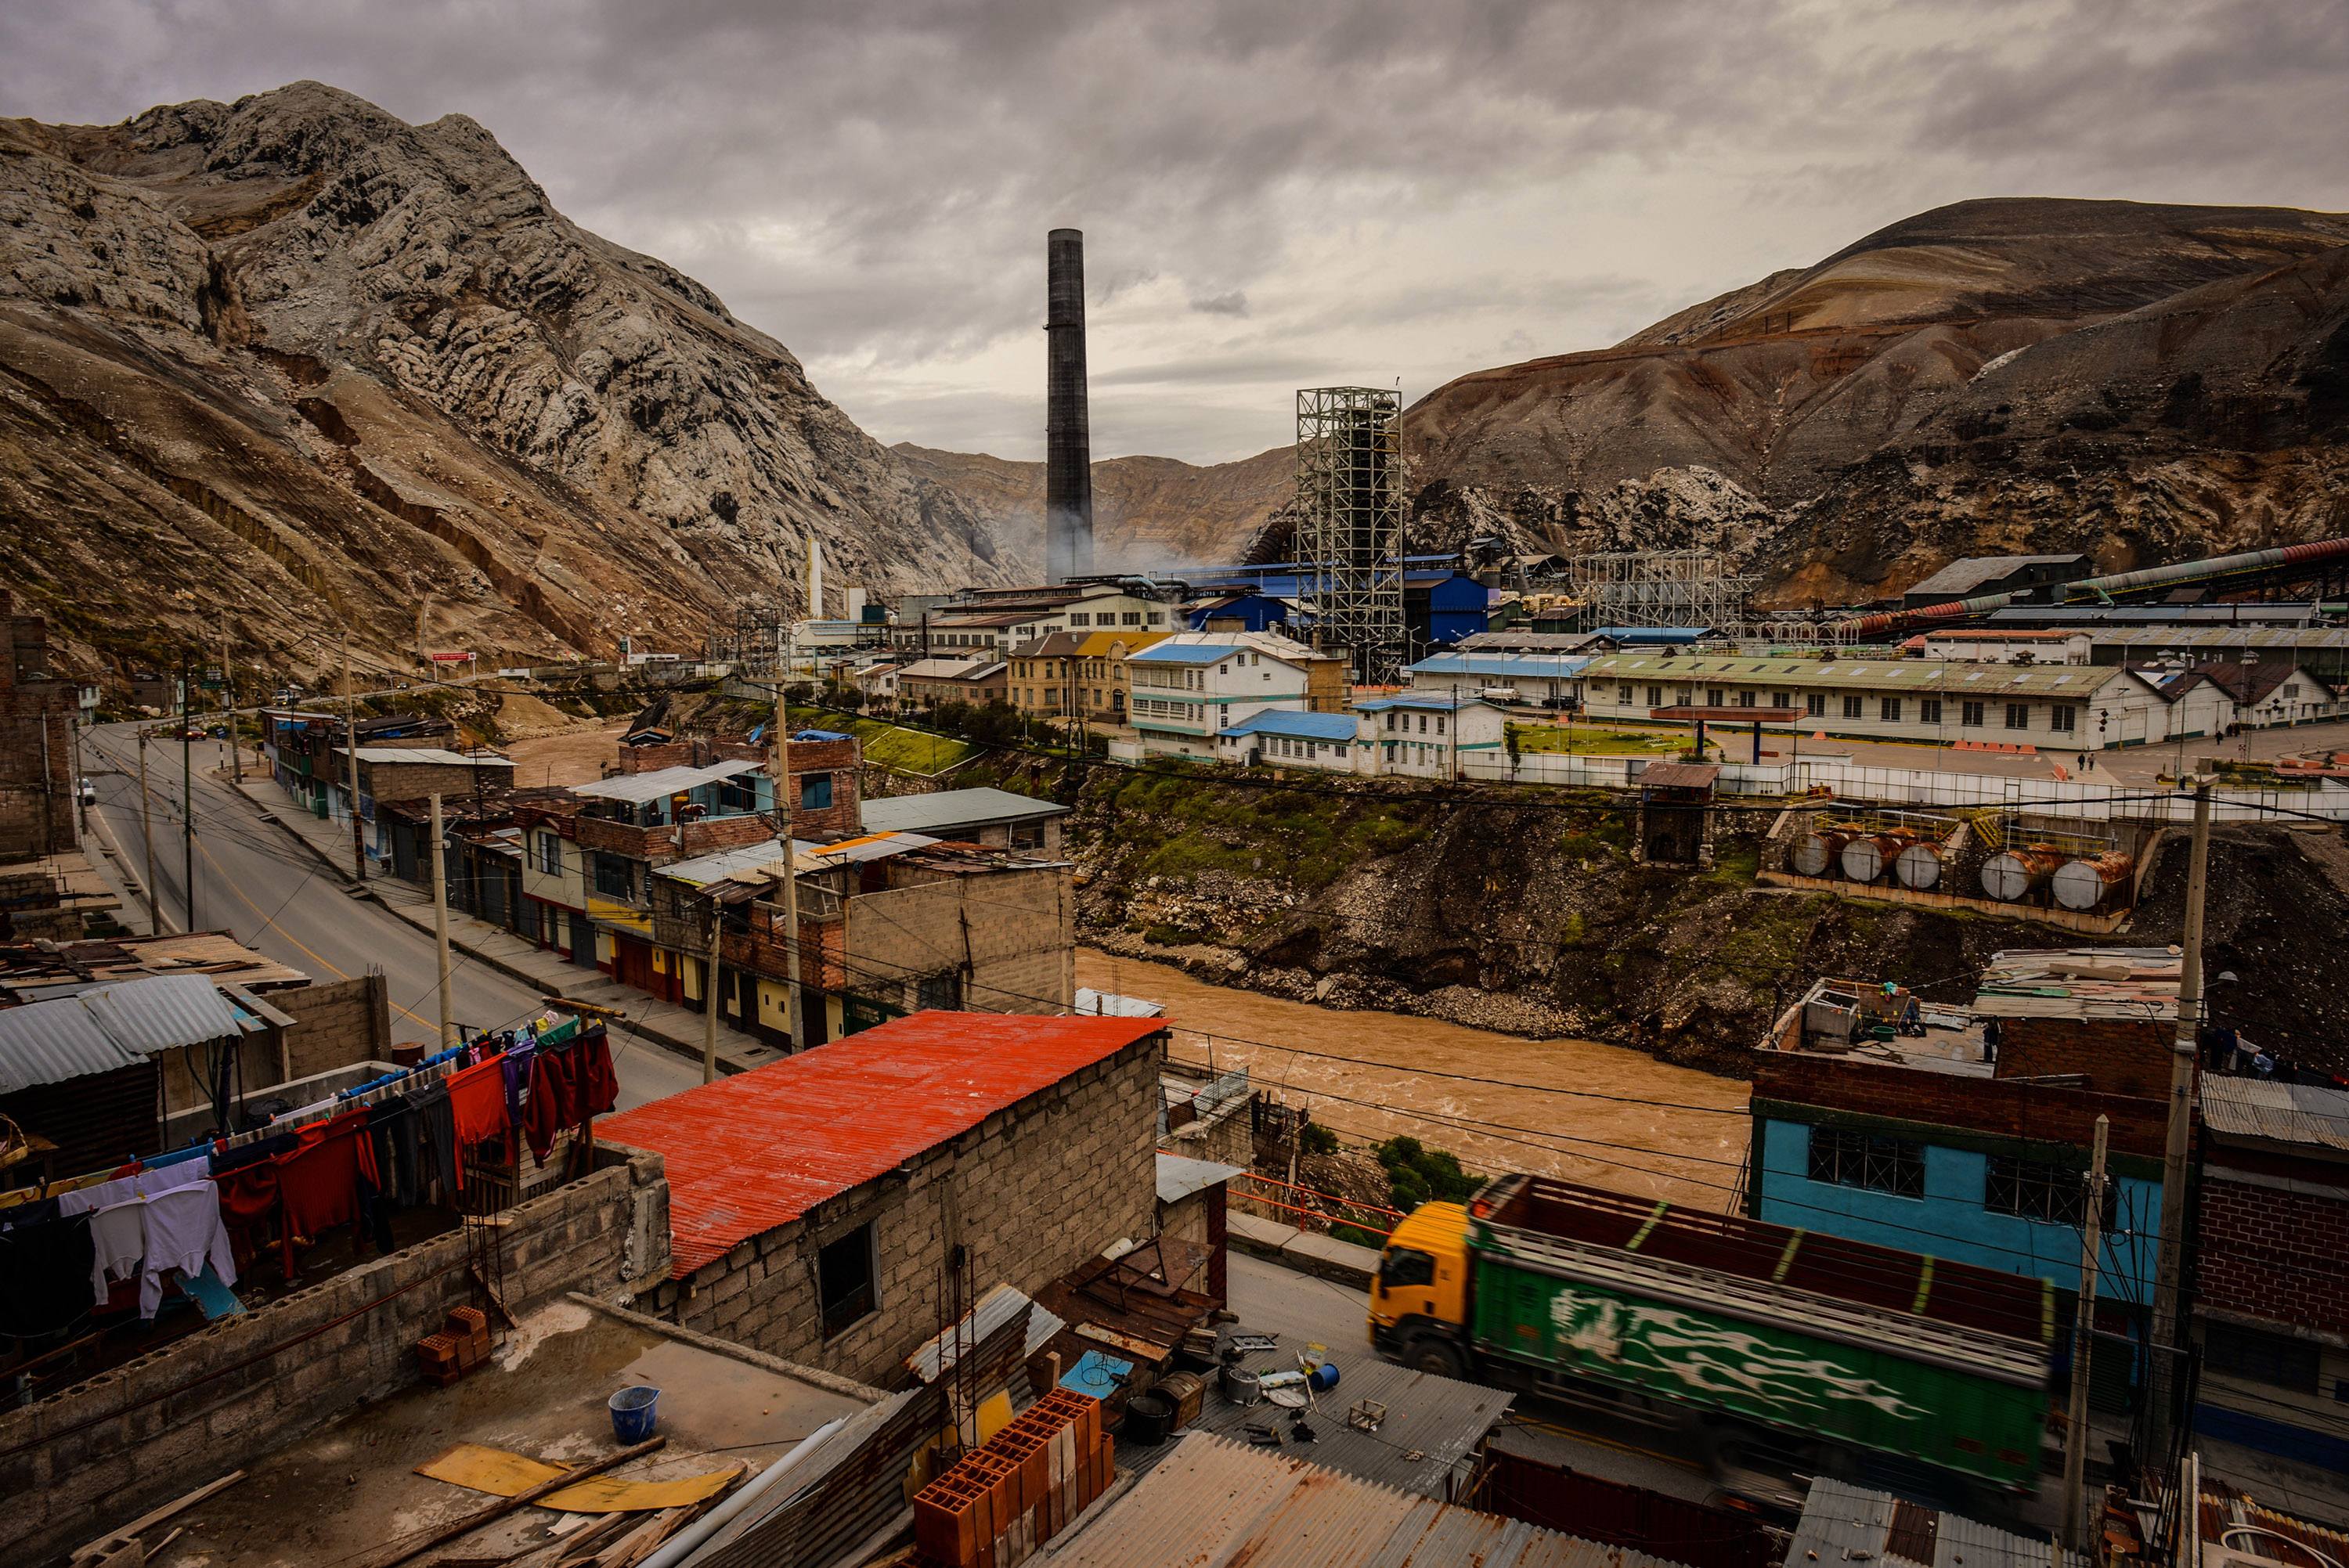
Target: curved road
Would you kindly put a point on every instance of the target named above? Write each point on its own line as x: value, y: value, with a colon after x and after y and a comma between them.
x: 253, y: 879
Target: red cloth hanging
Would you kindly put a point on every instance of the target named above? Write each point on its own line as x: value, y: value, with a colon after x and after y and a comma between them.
x: 477, y: 1099
x: 248, y: 1197
x: 596, y: 1088
x: 550, y: 1106
x: 320, y: 1180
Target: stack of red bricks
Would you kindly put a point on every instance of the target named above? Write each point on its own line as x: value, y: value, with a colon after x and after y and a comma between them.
x: 460, y: 1347
x: 1019, y: 1488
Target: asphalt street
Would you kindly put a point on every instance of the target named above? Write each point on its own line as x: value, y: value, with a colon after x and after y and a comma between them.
x: 253, y: 879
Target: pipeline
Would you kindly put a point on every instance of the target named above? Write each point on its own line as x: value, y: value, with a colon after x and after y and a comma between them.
x: 2102, y: 588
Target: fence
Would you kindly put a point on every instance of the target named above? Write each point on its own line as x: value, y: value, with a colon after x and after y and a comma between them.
x: 1298, y: 1205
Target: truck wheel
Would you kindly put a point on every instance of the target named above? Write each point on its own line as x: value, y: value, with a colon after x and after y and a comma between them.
x: 1440, y: 1357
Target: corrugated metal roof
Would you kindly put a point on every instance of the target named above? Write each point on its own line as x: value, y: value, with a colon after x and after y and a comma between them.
x: 2138, y: 982
x: 425, y: 754
x: 995, y: 1309
x: 1681, y: 775
x: 856, y: 851
x: 1302, y: 726
x: 1926, y: 678
x: 1214, y: 1501
x: 760, y: 1148
x: 954, y: 809
x: 1179, y: 1176
x: 1505, y: 666
x: 1110, y: 1004
x: 639, y: 788
x: 1842, y: 1523
x: 50, y: 1042
x: 2279, y: 1112
x: 1431, y: 1422
x: 1184, y: 654
x: 161, y: 1013
x: 1961, y: 577
x: 703, y: 870
x: 2183, y: 638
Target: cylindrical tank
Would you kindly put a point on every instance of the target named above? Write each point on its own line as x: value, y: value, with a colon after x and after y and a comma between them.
x: 1815, y: 854
x: 2013, y: 874
x: 2086, y: 883
x: 1919, y: 865
x: 1865, y: 859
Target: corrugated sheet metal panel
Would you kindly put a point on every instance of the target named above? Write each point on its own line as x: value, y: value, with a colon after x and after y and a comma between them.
x: 954, y: 809
x: 1179, y: 1176
x: 1843, y: 1523
x: 162, y: 1013
x: 51, y: 1042
x: 639, y: 788
x: 96, y: 1121
x: 1214, y: 1501
x: 997, y: 1309
x: 2282, y: 1112
x: 760, y: 1148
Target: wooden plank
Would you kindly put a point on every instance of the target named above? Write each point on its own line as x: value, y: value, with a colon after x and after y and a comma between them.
x: 158, y: 1515
x: 1128, y: 1343
x: 397, y: 1553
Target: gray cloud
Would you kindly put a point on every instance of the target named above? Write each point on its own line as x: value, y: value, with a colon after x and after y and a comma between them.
x: 1271, y: 192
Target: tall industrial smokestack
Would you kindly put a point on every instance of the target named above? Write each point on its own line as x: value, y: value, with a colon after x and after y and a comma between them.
x: 1068, y: 438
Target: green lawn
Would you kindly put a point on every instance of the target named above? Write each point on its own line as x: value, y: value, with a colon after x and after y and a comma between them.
x: 907, y: 750
x: 1593, y: 741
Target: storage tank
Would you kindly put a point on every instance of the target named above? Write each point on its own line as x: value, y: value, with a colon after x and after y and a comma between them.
x: 2013, y: 874
x: 1865, y: 859
x: 1919, y: 865
x: 2085, y: 884
x: 1815, y: 854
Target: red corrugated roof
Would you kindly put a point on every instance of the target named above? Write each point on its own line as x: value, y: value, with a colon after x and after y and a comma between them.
x: 760, y: 1148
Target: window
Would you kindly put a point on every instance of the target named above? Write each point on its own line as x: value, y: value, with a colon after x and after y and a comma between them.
x: 2063, y: 719
x: 1714, y: 696
x: 550, y: 853
x: 843, y: 1274
x: 1815, y: 705
x: 1028, y: 835
x: 2291, y: 689
x: 1929, y: 709
x: 815, y: 792
x: 1889, y: 709
x: 1623, y: 694
x: 1878, y: 1164
x: 2039, y: 1189
x: 2018, y: 716
x: 2274, y: 1359
x: 1745, y: 699
x: 1969, y: 716
x: 1081, y: 620
x: 615, y: 876
x: 1439, y: 724
x: 1852, y: 707
x: 1401, y: 1268
x: 1255, y: 659
x: 1655, y: 697
x: 1423, y: 724
x: 1158, y: 617
x: 941, y: 993
x: 1131, y: 618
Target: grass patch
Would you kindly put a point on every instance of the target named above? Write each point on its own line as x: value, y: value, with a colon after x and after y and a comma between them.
x: 1588, y: 741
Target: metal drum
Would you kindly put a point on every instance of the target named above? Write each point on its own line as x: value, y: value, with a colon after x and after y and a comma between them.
x: 1814, y: 854
x: 2084, y: 885
x: 1919, y: 866
x: 2011, y: 875
x: 1241, y: 1388
x: 1865, y: 859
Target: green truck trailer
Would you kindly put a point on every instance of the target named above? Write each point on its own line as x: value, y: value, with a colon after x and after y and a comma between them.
x: 1760, y: 1332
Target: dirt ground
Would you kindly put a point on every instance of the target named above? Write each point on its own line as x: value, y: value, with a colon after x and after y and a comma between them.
x: 574, y: 757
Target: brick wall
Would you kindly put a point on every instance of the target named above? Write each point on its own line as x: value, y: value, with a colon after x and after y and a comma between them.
x: 416, y: 780
x: 2269, y: 1252
x: 97, y: 1453
x: 2032, y: 1111
x: 690, y: 840
x: 1033, y: 1191
x: 2119, y: 1056
x: 845, y: 817
x: 340, y: 1022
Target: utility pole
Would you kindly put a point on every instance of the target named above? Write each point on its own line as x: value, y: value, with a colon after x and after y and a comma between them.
x: 147, y: 836
x: 2084, y: 1339
x: 351, y: 752
x: 709, y: 993
x: 2170, y: 1263
x: 228, y: 696
x: 780, y: 766
x: 81, y: 807
x: 187, y: 787
x: 441, y: 925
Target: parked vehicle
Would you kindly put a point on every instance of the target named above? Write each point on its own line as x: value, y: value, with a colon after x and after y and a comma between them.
x: 1757, y: 1332
x: 87, y: 791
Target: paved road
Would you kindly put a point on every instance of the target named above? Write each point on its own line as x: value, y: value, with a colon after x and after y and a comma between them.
x: 252, y: 877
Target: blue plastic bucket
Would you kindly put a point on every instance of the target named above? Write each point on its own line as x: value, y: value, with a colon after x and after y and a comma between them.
x: 631, y: 1413
x: 1323, y: 1378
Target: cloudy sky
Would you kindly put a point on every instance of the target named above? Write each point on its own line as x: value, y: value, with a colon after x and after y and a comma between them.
x: 1275, y: 194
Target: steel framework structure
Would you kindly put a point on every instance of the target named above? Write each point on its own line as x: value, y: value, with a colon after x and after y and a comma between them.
x: 1687, y: 588
x: 1350, y: 522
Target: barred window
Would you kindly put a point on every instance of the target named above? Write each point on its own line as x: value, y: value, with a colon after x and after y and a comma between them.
x: 1815, y: 705
x: 1878, y: 1164
x: 2018, y: 716
x: 1929, y: 709
x: 1889, y: 709
x: 1852, y: 707
x: 1970, y: 715
x: 2038, y: 1189
x: 2063, y: 718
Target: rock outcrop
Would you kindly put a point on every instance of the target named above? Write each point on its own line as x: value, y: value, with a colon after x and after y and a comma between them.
x: 296, y: 360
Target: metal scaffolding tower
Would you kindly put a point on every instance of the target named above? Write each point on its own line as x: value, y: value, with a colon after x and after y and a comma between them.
x: 1350, y: 522
x: 1660, y: 588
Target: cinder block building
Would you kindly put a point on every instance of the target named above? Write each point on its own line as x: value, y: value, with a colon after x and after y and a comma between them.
x: 822, y: 1207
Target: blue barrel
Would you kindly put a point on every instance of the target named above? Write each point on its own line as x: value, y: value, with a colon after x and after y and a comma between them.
x: 631, y: 1413
x: 1323, y: 1379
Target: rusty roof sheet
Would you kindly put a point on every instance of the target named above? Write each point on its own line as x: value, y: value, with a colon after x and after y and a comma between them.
x: 760, y: 1148
x: 1214, y: 1501
x: 2278, y: 1113
x: 1681, y: 775
x: 2138, y: 982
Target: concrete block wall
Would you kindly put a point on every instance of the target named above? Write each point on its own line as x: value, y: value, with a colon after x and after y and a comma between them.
x: 84, y: 1459
x: 1032, y: 1191
x: 342, y: 1022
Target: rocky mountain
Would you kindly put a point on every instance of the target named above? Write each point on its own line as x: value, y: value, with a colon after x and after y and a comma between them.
x: 294, y: 360
x: 2146, y: 382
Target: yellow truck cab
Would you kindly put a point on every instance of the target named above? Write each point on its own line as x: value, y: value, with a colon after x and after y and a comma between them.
x: 1418, y: 1300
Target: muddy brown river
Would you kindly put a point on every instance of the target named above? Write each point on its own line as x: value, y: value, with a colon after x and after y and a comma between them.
x: 1685, y: 1143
